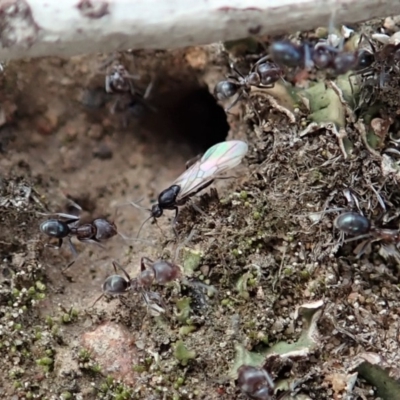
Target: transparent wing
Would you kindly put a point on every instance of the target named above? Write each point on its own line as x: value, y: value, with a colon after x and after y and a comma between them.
x: 215, y: 161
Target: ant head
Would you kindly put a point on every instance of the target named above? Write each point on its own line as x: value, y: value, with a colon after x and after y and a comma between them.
x: 156, y: 211
x: 105, y: 229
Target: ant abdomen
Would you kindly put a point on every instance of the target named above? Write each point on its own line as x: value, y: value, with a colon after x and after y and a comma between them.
x: 225, y: 89
x: 353, y: 223
x: 115, y: 284
x: 287, y: 53
x: 55, y: 228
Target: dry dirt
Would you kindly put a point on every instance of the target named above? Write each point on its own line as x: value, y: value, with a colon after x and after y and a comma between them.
x: 289, y: 294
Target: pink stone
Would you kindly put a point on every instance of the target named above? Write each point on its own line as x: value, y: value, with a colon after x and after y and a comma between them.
x: 113, y: 348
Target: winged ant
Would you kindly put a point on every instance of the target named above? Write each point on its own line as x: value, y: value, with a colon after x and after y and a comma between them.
x: 216, y: 160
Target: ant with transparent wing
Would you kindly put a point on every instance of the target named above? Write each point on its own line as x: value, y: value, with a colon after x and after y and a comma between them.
x: 199, y: 174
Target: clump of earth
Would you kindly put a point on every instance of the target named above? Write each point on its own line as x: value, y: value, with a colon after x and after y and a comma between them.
x: 270, y: 280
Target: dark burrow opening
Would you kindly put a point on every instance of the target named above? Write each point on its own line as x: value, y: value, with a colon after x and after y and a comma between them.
x: 190, y: 115
x: 171, y: 104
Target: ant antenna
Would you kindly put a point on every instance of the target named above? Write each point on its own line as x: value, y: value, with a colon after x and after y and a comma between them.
x: 73, y: 203
x: 141, y: 226
x: 127, y: 238
x: 135, y: 239
x: 68, y: 265
x: 72, y: 247
x: 185, y: 242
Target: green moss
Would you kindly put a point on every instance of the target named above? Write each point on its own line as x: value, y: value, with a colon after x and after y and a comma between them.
x: 182, y: 353
x: 183, y: 306
x: 186, y: 330
x: 191, y: 261
x: 139, y: 368
x: 40, y: 286
x: 243, y: 194
x: 45, y: 361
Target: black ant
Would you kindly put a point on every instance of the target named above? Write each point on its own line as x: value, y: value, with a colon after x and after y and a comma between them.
x: 322, y: 55
x: 160, y: 272
x: 385, y: 59
x: 95, y: 232
x: 119, y: 80
x: 291, y: 55
x: 263, y: 74
x: 200, y: 173
x: 256, y: 383
x: 361, y: 227
x: 353, y: 223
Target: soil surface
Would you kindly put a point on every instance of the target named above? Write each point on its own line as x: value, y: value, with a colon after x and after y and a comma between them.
x: 268, y: 280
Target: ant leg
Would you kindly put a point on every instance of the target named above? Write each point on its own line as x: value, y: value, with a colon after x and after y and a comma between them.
x: 261, y: 60
x: 73, y: 203
x: 150, y: 297
x: 238, y: 98
x: 70, y: 218
x: 193, y: 161
x: 55, y: 246
x: 148, y: 90
x: 175, y: 221
x: 197, y: 208
x: 143, y: 262
x: 92, y: 241
x: 116, y: 265
x: 72, y: 247
x: 233, y: 68
x: 101, y: 296
x: 308, y: 62
x: 68, y: 265
x: 357, y: 238
x: 362, y: 248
